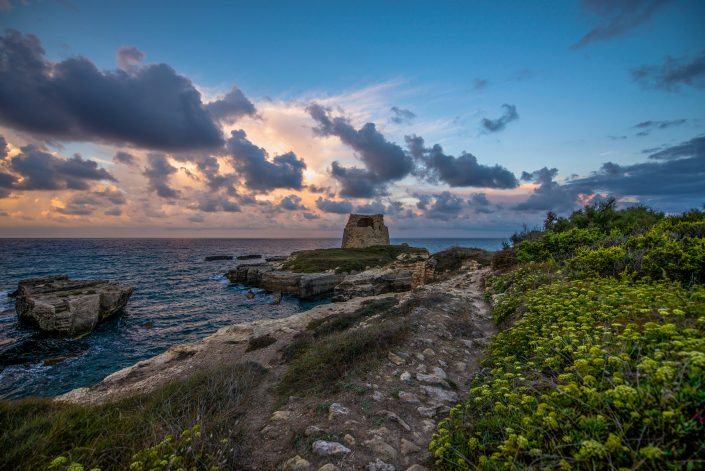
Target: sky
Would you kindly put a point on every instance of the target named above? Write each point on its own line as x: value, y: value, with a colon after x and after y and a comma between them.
x: 278, y: 119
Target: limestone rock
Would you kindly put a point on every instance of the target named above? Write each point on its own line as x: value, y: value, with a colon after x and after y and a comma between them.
x: 62, y: 306
x: 381, y: 448
x: 409, y: 397
x: 312, y: 430
x: 416, y: 467
x: 365, y: 231
x: 439, y: 395
x: 336, y: 410
x: 296, y: 464
x: 329, y: 467
x: 379, y: 465
x: 373, y: 282
x: 326, y: 448
x: 280, y: 415
x: 407, y: 447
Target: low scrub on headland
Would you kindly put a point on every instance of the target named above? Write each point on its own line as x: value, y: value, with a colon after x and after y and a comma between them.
x: 346, y: 260
x: 190, y: 424
x: 601, y: 363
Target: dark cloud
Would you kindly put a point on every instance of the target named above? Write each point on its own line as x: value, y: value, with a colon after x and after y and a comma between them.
x: 462, y: 171
x: 113, y: 212
x: 384, y: 161
x: 261, y: 174
x: 114, y: 196
x: 496, y: 125
x: 291, y: 203
x: 617, y: 17
x: 231, y: 107
x: 326, y: 190
x: 479, y: 203
x: 151, y: 106
x: 401, y: 116
x: 42, y: 171
x: 158, y: 171
x: 672, y: 74
x: 124, y: 158
x: 213, y: 203
x: 331, y: 206
x: 692, y: 148
x: 550, y: 195
x: 373, y: 207
x: 210, y: 169
x: 311, y: 216
x: 660, y: 124
x: 443, y: 206
x: 129, y: 58
x: 480, y: 84
x: 3, y: 147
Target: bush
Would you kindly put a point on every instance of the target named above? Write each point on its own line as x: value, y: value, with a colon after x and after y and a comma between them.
x: 596, y: 374
x: 347, y: 260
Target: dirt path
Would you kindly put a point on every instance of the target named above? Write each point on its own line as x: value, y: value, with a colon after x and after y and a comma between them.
x: 382, y: 419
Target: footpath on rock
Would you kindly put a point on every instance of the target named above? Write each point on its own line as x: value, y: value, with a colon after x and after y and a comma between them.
x: 352, y: 385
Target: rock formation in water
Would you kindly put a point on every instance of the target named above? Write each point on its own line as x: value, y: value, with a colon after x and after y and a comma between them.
x: 365, y: 231
x: 69, y: 307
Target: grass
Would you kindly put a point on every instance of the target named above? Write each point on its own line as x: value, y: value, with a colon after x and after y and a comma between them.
x: 339, y: 322
x: 347, y: 260
x: 34, y: 431
x: 326, y: 361
x: 263, y: 341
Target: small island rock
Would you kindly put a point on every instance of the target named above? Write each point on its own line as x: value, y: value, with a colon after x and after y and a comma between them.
x: 69, y: 307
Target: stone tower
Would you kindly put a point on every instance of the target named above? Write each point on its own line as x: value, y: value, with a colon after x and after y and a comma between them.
x: 364, y: 230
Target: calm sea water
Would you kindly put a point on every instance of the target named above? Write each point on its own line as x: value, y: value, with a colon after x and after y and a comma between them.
x: 178, y: 298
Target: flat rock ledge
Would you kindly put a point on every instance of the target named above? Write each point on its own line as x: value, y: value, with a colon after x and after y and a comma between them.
x: 62, y: 306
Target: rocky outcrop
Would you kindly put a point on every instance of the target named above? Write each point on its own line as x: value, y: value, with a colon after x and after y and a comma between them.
x: 212, y: 258
x: 373, y: 282
x: 365, y: 231
x: 69, y: 307
x: 302, y: 285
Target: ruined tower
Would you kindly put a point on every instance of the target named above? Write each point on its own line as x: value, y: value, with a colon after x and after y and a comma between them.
x: 364, y: 230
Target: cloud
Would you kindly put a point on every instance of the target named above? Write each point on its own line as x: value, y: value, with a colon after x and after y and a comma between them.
x: 291, y: 203
x: 373, y: 207
x: 261, y: 174
x: 480, y: 84
x: 550, y: 195
x: 496, y: 125
x: 692, y: 148
x: 151, y: 106
x: 112, y: 195
x: 617, y: 17
x: 443, y: 206
x: 311, y: 216
x: 462, y: 171
x: 113, y: 212
x: 129, y: 58
x: 478, y: 199
x: 648, y: 126
x: 331, y: 206
x: 39, y: 170
x: 231, y: 107
x: 212, y: 203
x: 384, y: 161
x: 210, y: 169
x: 3, y: 147
x: 401, y: 116
x: 672, y: 74
x: 158, y: 171
x: 124, y: 158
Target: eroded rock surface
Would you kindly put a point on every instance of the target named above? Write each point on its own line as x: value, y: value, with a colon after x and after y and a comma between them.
x: 69, y: 307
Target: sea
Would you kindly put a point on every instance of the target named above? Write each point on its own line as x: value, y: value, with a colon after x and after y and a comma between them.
x: 178, y: 298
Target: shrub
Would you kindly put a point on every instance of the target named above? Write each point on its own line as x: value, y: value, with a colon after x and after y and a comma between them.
x: 596, y: 374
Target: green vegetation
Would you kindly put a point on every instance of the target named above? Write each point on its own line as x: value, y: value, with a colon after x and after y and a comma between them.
x: 129, y: 434
x: 453, y: 258
x: 347, y: 260
x: 602, y: 361
x: 337, y: 348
